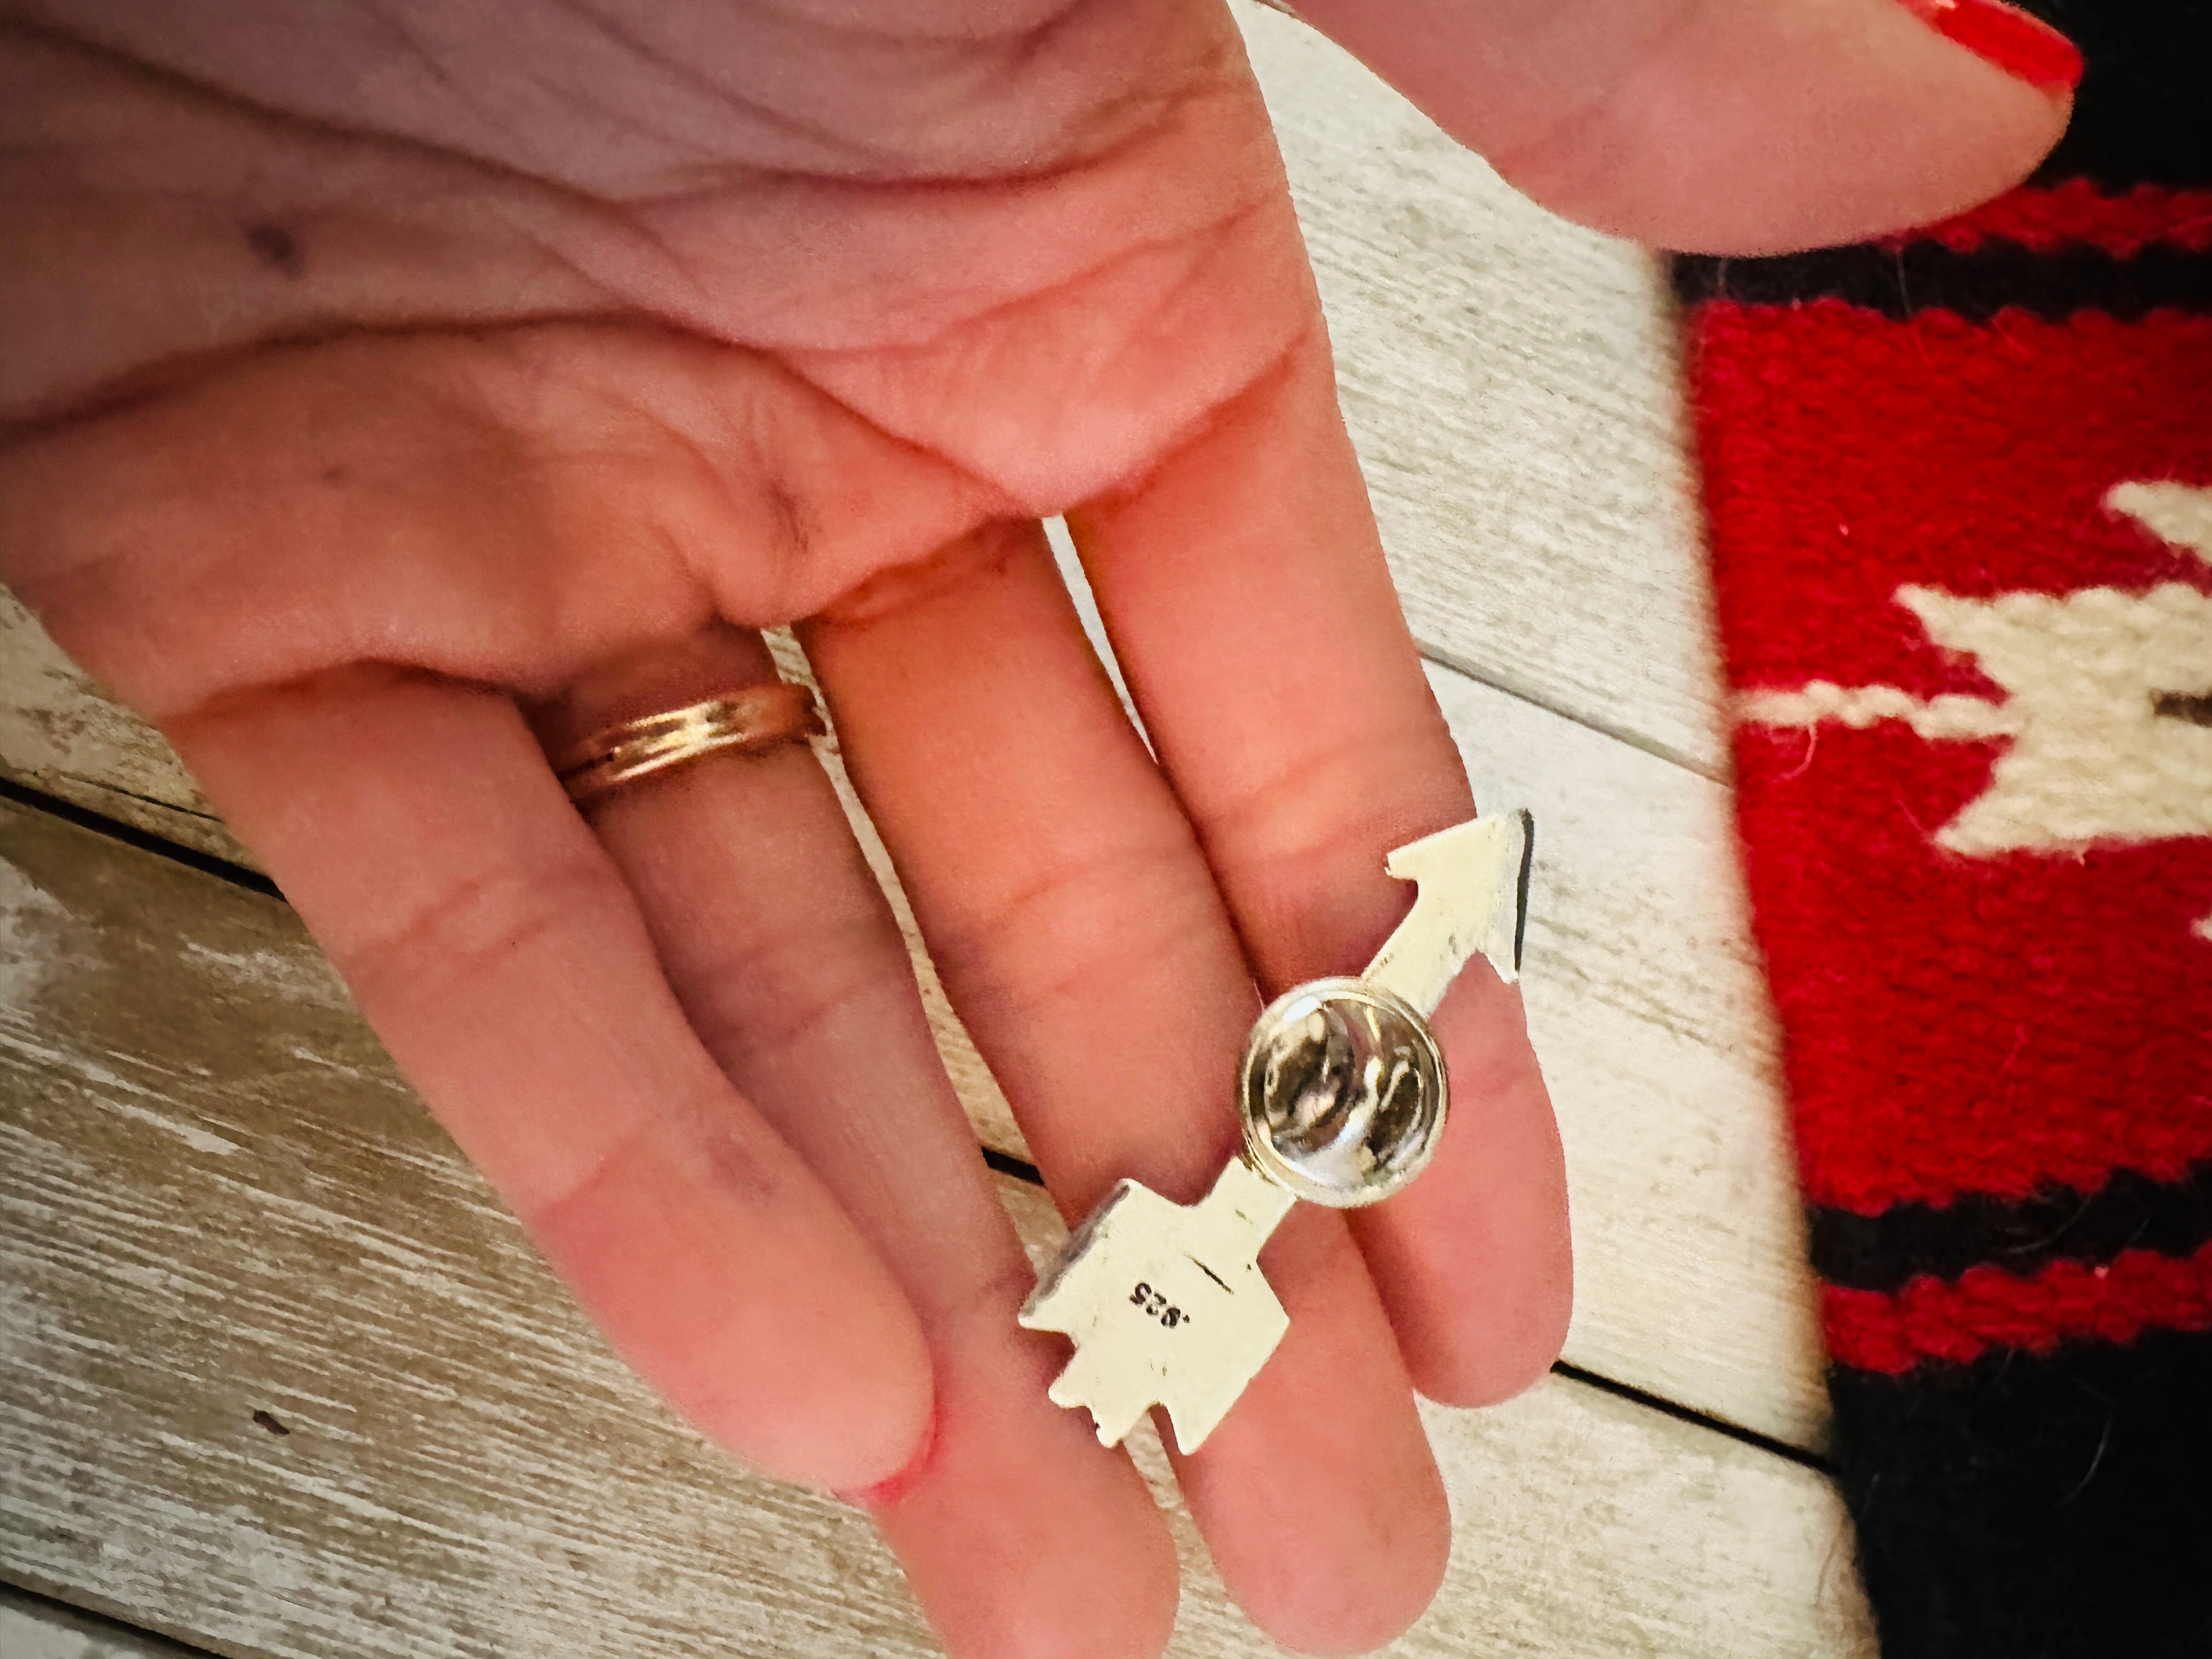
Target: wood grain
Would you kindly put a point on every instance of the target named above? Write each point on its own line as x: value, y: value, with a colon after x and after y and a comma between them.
x: 62, y: 734
x: 31, y: 1628
x: 1512, y: 383
x: 279, y: 1376
x: 1648, y: 1009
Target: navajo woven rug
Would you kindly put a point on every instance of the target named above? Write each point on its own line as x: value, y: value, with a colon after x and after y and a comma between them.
x: 1959, y: 487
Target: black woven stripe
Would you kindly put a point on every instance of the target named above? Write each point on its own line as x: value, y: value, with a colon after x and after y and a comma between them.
x: 2036, y: 1507
x: 1928, y: 276
x: 2141, y: 116
x: 2129, y: 1212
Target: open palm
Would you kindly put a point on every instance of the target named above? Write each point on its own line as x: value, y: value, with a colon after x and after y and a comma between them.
x: 391, y: 388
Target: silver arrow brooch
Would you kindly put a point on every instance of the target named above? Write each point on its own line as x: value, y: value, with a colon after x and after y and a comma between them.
x: 1342, y: 1092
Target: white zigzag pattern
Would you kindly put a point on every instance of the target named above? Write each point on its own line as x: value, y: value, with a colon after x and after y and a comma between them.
x: 2090, y: 759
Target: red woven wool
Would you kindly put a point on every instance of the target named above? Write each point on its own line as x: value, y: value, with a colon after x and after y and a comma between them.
x: 2076, y: 213
x: 1960, y: 486
x: 1986, y: 1306
x: 1956, y: 1021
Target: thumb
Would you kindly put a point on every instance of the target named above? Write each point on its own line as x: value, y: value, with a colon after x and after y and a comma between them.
x: 1730, y: 126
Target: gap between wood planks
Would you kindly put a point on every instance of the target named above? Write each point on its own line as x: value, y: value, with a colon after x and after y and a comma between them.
x: 79, y: 1634
x: 1620, y: 734
x: 145, y: 841
x: 1086, y: 609
x: 253, y: 881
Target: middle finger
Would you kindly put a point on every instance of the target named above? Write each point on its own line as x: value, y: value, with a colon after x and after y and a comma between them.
x: 1078, y: 930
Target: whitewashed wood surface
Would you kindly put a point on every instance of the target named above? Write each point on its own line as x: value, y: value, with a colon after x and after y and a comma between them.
x: 62, y: 736
x: 1511, y: 384
x: 31, y: 1628
x: 221, y: 1202
x: 1644, y: 1000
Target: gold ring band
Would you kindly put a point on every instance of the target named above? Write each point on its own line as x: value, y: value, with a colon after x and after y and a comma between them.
x: 759, y: 717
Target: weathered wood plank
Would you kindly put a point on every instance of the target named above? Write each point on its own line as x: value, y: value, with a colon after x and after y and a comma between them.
x: 34, y: 1629
x: 1512, y: 383
x: 219, y: 1201
x: 62, y: 734
x: 1648, y: 1011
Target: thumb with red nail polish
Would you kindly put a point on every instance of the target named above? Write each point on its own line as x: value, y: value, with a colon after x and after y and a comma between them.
x: 1731, y: 127
x: 2015, y: 41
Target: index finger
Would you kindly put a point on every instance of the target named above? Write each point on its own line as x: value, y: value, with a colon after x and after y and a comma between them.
x: 1244, y: 590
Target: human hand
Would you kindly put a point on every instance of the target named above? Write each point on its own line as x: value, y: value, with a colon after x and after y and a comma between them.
x: 382, y: 380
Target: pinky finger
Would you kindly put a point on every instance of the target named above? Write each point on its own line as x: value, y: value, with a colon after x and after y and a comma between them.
x: 492, y: 944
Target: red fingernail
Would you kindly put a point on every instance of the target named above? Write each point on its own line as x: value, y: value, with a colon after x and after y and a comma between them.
x: 2016, y: 43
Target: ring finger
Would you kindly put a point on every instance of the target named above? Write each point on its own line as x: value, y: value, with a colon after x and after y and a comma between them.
x: 1014, y: 1527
